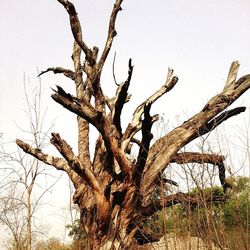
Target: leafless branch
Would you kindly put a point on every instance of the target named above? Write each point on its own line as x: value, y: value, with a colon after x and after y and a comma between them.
x: 177, y: 198
x: 108, y: 130
x: 56, y: 162
x: 79, y: 107
x: 111, y: 33
x: 82, y: 93
x: 170, y: 144
x: 73, y: 161
x: 59, y: 70
x: 145, y: 143
x: 113, y: 70
x: 135, y: 125
x: 215, y: 122
x: 195, y: 157
x: 121, y: 98
x: 232, y: 74
x: 202, y: 158
x: 77, y: 30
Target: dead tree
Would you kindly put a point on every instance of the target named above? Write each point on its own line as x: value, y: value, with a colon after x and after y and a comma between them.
x: 112, y: 191
x: 19, y: 196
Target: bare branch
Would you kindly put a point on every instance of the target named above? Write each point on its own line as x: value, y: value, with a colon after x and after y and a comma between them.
x: 63, y: 147
x: 145, y: 143
x: 194, y: 157
x: 121, y: 98
x: 113, y: 70
x: 73, y: 161
x: 77, y: 30
x: 59, y: 70
x: 58, y: 163
x: 79, y: 107
x: 232, y: 74
x: 161, y: 180
x: 111, y: 33
x: 165, y: 148
x: 171, y: 182
x: 135, y: 125
x: 202, y: 158
x: 82, y: 93
x: 215, y: 122
x: 174, y: 199
x: 108, y: 130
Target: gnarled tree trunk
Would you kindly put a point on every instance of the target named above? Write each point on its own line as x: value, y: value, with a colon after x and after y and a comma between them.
x: 113, y: 191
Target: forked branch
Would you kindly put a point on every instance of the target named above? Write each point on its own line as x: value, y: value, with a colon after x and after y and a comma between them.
x: 58, y: 163
x: 79, y: 167
x: 97, y: 119
x: 165, y: 148
x: 135, y: 125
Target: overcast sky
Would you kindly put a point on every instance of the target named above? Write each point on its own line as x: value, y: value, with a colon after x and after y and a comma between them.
x: 198, y: 39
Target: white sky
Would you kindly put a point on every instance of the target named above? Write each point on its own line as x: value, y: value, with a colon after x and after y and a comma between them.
x: 198, y: 39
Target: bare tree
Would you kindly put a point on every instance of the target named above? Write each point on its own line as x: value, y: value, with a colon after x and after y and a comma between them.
x: 112, y: 191
x: 20, y: 194
x: 12, y: 218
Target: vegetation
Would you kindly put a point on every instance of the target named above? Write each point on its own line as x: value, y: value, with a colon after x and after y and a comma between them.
x: 226, y: 224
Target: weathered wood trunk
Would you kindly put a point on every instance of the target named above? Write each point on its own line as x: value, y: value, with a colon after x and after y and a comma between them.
x: 113, y: 190
x: 108, y: 217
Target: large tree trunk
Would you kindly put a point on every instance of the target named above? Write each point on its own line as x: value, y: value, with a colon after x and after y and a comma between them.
x: 113, y: 190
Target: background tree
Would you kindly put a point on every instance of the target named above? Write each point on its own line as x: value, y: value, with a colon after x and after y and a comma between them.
x: 112, y: 191
x: 12, y: 218
x: 21, y: 194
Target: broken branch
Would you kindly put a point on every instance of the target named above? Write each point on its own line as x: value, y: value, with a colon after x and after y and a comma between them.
x: 165, y: 148
x: 121, y: 97
x: 215, y: 122
x: 79, y: 107
x: 58, y: 163
x: 145, y: 143
x: 111, y: 34
x: 59, y: 70
x: 177, y: 198
x: 135, y: 125
x: 77, y: 30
